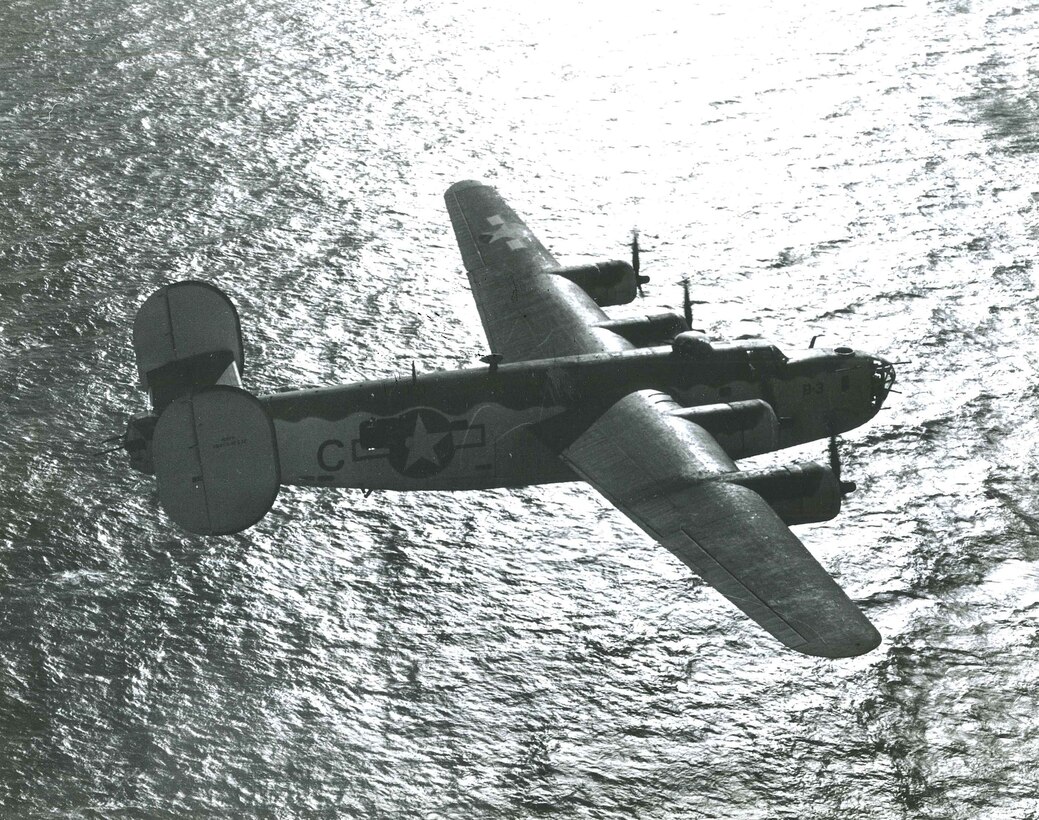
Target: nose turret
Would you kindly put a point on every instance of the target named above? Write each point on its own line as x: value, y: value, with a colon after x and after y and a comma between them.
x: 882, y: 381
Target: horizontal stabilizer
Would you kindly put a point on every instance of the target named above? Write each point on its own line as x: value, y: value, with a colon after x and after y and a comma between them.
x: 216, y: 460
x: 186, y: 335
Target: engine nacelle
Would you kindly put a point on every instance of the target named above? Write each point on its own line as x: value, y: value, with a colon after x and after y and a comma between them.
x: 742, y: 428
x: 802, y: 493
x: 647, y: 331
x: 608, y: 283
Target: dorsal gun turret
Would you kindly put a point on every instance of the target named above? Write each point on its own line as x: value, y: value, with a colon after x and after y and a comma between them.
x: 692, y: 345
x: 695, y: 346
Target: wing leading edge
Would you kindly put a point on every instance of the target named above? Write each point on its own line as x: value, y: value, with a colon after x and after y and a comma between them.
x: 665, y: 474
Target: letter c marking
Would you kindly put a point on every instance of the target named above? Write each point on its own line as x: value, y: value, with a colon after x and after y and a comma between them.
x: 331, y: 468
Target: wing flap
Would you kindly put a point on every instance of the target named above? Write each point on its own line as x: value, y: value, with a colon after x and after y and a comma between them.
x: 668, y: 476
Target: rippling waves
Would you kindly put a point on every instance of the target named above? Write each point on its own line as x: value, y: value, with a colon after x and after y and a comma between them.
x: 866, y: 173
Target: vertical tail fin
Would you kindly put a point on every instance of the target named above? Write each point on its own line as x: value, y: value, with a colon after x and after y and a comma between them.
x: 216, y: 460
x: 186, y: 335
x: 211, y: 445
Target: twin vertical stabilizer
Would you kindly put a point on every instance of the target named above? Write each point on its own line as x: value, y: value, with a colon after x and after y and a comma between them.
x: 213, y: 447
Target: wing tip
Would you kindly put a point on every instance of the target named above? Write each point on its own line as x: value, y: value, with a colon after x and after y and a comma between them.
x: 463, y: 185
x: 863, y: 639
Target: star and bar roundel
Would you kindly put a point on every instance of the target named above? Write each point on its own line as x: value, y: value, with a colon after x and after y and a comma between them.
x: 418, y: 443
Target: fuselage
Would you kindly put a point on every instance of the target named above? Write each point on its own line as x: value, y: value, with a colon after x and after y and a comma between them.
x: 504, y: 426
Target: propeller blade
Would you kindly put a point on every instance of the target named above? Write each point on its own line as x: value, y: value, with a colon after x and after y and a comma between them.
x: 847, y: 487
x: 635, y: 262
x: 687, y: 305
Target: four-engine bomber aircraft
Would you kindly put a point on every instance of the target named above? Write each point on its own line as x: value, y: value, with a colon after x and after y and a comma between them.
x: 649, y: 412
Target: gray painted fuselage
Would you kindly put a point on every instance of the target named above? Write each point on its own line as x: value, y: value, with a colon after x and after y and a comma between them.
x: 503, y: 427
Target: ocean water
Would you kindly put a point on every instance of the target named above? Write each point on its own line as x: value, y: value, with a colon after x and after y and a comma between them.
x: 864, y: 172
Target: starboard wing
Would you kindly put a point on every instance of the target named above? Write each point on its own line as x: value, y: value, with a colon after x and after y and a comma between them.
x: 667, y: 475
x: 527, y: 312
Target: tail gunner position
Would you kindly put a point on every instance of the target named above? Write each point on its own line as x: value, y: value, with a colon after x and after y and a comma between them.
x: 652, y: 414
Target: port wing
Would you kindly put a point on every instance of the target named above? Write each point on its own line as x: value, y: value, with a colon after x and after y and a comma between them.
x: 668, y: 476
x: 527, y: 312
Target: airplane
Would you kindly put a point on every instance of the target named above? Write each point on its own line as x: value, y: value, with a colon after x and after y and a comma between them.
x: 649, y: 412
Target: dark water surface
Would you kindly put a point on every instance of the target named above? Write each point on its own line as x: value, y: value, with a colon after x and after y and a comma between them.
x: 866, y: 173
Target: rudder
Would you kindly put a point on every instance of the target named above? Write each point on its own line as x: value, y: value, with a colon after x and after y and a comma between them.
x: 216, y: 460
x: 186, y: 335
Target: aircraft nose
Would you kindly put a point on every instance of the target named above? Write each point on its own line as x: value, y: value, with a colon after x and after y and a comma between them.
x: 883, y: 380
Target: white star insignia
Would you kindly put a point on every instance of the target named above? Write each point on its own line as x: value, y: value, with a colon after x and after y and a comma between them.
x: 512, y: 232
x: 421, y: 444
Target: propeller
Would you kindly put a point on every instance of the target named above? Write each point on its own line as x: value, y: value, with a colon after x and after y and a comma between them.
x: 639, y: 280
x: 687, y: 306
x: 846, y: 487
